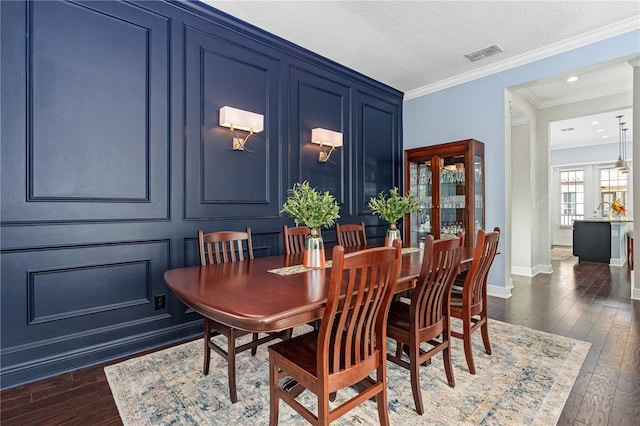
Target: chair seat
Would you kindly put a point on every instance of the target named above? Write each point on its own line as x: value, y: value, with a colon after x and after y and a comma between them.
x: 301, y: 350
x: 398, y: 316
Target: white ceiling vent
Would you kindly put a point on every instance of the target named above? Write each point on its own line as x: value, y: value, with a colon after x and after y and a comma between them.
x: 483, y: 53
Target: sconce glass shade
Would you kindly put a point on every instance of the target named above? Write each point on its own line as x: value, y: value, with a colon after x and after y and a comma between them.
x: 241, y: 120
x: 326, y: 137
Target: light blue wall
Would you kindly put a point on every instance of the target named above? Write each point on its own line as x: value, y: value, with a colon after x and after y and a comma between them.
x: 588, y: 155
x: 476, y: 110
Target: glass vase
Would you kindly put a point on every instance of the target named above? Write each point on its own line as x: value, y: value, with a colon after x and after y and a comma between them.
x: 393, y: 233
x: 314, y: 250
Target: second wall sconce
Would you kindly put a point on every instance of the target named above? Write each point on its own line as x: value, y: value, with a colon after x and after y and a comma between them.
x: 324, y: 137
x: 237, y: 119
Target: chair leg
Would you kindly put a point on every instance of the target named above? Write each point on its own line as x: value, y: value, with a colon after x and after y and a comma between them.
x: 446, y: 357
x: 381, y: 398
x: 399, y: 349
x: 274, y: 401
x: 466, y: 333
x: 323, y: 409
x: 231, y: 365
x: 255, y: 348
x: 414, y: 368
x: 207, y: 351
x: 484, y: 329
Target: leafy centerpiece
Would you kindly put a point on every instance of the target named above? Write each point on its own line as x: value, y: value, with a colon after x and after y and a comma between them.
x: 314, y: 209
x: 392, y: 209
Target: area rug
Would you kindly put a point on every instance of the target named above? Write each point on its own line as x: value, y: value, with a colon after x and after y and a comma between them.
x: 526, y: 381
x: 561, y: 253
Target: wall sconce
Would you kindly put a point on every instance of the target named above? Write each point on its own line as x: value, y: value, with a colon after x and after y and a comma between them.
x: 324, y: 137
x: 237, y: 119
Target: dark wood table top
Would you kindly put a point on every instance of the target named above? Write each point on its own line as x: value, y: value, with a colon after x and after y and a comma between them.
x: 245, y: 295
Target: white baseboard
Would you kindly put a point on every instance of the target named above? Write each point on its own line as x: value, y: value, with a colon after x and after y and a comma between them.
x: 521, y: 270
x: 543, y: 269
x: 531, y: 272
x: 617, y: 262
x: 497, y: 291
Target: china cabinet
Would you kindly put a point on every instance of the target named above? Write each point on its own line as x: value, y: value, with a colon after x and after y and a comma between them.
x: 448, y: 182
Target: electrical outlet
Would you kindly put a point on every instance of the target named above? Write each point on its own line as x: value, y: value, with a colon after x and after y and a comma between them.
x: 159, y: 301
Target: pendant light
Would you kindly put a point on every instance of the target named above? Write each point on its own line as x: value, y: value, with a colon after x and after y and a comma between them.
x: 625, y: 168
x: 620, y: 163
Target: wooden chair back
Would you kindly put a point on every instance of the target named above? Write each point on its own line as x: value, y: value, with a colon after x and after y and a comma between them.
x: 350, y: 344
x: 430, y: 299
x: 474, y: 291
x: 294, y: 238
x: 351, y: 235
x: 224, y: 246
x: 347, y: 338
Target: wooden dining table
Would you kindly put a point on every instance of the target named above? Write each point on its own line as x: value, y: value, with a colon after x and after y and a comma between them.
x: 247, y: 296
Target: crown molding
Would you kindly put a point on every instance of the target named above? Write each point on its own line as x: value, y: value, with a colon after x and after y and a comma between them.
x: 587, y: 38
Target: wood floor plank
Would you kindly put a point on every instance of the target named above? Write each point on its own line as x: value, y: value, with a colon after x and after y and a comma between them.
x: 598, y: 400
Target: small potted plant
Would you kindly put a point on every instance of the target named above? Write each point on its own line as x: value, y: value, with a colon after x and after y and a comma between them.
x: 392, y: 209
x: 314, y: 209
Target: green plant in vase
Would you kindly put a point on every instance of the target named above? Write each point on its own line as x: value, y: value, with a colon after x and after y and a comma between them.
x: 314, y: 209
x: 392, y: 208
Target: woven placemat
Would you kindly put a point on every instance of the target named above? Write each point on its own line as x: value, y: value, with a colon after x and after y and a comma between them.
x: 296, y: 269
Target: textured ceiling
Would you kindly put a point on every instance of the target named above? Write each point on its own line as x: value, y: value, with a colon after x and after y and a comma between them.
x: 412, y: 44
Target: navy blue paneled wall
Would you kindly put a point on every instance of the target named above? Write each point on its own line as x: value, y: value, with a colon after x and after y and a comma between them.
x: 112, y: 159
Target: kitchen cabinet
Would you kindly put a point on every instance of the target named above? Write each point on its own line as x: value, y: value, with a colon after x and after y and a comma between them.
x: 601, y: 240
x: 448, y: 181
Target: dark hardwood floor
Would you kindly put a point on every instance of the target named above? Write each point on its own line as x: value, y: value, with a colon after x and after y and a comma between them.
x: 585, y: 301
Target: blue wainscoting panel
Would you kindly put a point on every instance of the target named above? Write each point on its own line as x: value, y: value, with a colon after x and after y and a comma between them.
x: 96, y: 116
x: 81, y: 296
x: 319, y: 102
x: 379, y: 154
x: 219, y: 179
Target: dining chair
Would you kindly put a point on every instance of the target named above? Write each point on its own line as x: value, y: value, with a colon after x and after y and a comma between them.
x: 224, y: 247
x: 426, y: 318
x: 294, y: 238
x: 351, y: 235
x: 469, y: 300
x: 350, y: 344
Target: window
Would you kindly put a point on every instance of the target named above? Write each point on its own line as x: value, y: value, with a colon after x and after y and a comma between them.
x: 571, y: 196
x: 613, y: 186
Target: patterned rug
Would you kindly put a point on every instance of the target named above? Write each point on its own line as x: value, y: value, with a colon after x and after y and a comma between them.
x: 526, y: 381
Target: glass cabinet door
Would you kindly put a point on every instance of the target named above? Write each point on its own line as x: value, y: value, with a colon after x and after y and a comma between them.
x: 478, y: 189
x: 452, y: 203
x: 422, y: 188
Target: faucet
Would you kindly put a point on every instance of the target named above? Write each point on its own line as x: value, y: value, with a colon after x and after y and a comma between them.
x: 601, y: 208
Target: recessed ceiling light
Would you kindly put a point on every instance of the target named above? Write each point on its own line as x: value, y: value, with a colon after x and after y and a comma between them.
x: 600, y: 130
x: 572, y: 79
x: 594, y: 122
x: 605, y: 136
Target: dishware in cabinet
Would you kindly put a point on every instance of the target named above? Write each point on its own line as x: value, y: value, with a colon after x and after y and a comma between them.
x: 448, y: 182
